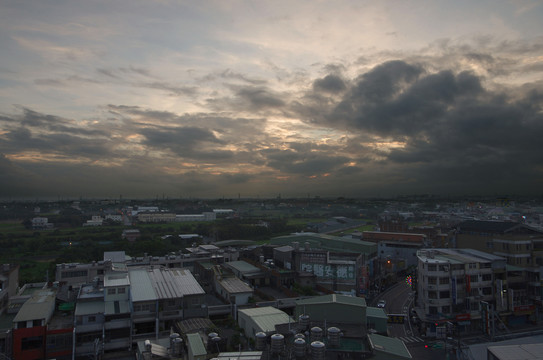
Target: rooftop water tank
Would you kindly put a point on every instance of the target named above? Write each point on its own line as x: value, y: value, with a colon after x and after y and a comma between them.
x: 318, y: 350
x: 299, y: 348
x: 277, y: 343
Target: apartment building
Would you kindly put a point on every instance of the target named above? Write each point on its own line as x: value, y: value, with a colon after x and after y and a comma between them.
x: 133, y: 304
x: 522, y: 247
x: 452, y: 283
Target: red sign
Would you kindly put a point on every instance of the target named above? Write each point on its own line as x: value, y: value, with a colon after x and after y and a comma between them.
x: 463, y: 317
x: 524, y: 308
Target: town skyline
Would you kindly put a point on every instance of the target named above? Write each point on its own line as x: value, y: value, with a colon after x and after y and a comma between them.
x: 209, y: 100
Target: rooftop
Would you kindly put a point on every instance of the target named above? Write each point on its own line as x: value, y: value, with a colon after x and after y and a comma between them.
x: 40, y: 306
x: 196, y: 344
x: 327, y: 242
x: 333, y: 298
x: 242, y: 266
x: 266, y: 318
x: 234, y: 285
x: 389, y: 345
x: 116, y: 279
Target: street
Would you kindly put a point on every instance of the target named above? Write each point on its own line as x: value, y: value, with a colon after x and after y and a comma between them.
x: 399, y: 300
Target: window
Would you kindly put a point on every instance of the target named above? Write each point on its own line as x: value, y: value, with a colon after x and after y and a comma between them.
x: 33, y: 342
x: 111, y: 291
x: 487, y: 291
x: 487, y: 277
x: 444, y: 294
x: 36, y: 323
x: 432, y: 267
x: 92, y: 318
x: 72, y: 274
x: 432, y: 280
x: 473, y: 278
x: 121, y: 291
x: 444, y: 280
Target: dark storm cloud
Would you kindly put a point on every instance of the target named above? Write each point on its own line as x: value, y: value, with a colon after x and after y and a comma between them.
x: 259, y: 97
x: 448, y: 122
x: 249, y: 99
x: 305, y: 163
x: 36, y: 131
x: 330, y: 84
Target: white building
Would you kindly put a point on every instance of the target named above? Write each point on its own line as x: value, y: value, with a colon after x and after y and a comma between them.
x: 452, y: 283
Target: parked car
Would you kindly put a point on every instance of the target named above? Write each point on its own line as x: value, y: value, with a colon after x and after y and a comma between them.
x: 381, y: 303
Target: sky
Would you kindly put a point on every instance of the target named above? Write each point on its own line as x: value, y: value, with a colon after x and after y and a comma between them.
x: 232, y: 99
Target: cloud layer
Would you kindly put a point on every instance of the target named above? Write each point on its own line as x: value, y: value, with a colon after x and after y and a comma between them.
x: 250, y: 110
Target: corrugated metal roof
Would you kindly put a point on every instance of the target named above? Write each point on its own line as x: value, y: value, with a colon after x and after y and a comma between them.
x: 141, y: 288
x: 267, y: 317
x: 40, y: 306
x: 234, y: 285
x: 389, y: 345
x: 186, y: 282
x: 196, y: 344
x: 333, y: 298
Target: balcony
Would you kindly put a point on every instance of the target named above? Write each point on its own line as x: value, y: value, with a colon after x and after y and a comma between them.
x: 117, y: 324
x: 79, y: 329
x: 117, y: 344
x: 171, y: 314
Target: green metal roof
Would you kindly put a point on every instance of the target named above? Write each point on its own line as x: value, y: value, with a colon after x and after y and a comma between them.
x: 389, y: 345
x: 374, y: 312
x: 243, y: 266
x: 333, y: 298
x: 327, y: 242
x: 267, y: 317
x: 196, y: 344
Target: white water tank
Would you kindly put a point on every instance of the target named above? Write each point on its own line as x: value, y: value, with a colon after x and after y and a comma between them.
x: 260, y: 343
x: 299, y: 348
x: 148, y: 345
x: 173, y: 336
x: 299, y: 336
x: 318, y: 350
x: 177, y: 349
x: 277, y: 343
x: 333, y: 336
x: 303, y: 321
x: 316, y: 334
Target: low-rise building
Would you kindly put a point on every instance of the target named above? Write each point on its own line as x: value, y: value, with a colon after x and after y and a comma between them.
x: 263, y: 319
